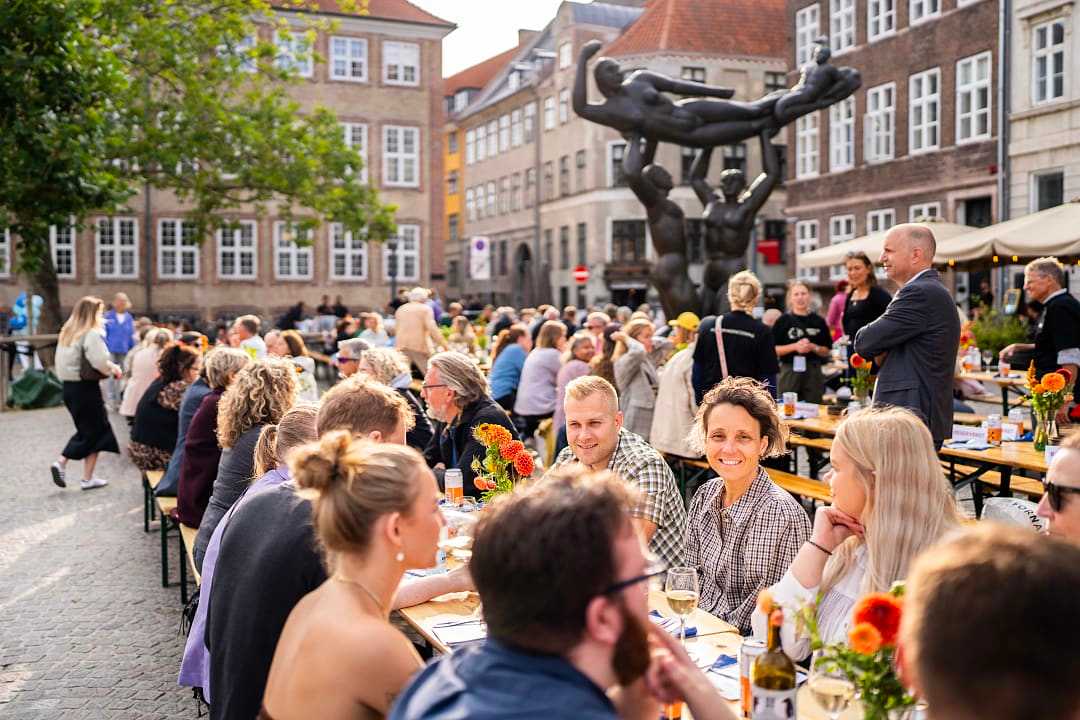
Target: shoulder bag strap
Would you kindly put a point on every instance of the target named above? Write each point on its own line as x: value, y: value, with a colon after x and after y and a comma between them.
x: 720, y: 347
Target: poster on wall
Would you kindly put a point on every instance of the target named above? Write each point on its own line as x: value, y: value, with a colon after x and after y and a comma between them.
x: 480, y: 258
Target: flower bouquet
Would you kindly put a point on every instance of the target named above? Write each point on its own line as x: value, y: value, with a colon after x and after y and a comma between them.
x: 505, y: 461
x: 1048, y: 395
x: 868, y: 656
x: 861, y: 382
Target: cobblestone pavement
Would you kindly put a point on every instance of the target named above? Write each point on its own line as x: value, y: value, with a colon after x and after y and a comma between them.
x: 86, y: 630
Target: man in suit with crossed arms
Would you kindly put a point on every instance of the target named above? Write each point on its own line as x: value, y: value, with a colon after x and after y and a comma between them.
x: 915, y: 340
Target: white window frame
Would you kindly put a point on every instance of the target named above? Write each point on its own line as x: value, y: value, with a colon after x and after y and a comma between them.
x: 179, y: 251
x: 1033, y: 199
x: 69, y: 245
x: 490, y: 199
x: 295, y: 52
x: 399, y: 160
x: 841, y: 229
x: 924, y: 93
x: 5, y: 253
x: 807, y: 146
x: 1047, y: 55
x: 930, y: 209
x: 549, y: 112
x: 504, y: 194
x: 971, y: 89
x: 349, y: 249
x: 493, y: 138
x: 879, y: 124
x: 285, y: 248
x: 807, y: 30
x: 610, y: 156
x: 921, y: 11
x: 404, y: 254
x: 529, y: 122
x: 880, y: 220
x: 116, y: 249
x: 842, y: 135
x: 350, y: 131
x: 564, y: 106
x: 841, y: 25
x: 342, y: 51
x: 806, y: 239
x: 470, y: 147
x: 238, y: 251
x: 566, y: 51
x: 470, y: 206
x: 504, y: 133
x: 880, y: 19
x: 481, y: 142
x: 517, y: 130
x: 515, y: 192
x: 396, y: 56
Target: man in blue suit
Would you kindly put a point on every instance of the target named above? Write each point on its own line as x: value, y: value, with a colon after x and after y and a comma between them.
x: 916, y: 339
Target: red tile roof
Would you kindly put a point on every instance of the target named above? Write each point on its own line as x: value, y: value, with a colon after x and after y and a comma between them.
x: 478, y: 75
x: 400, y: 10
x: 712, y: 27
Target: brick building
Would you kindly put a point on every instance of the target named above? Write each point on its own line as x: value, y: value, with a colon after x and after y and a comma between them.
x: 382, y: 76
x: 919, y: 138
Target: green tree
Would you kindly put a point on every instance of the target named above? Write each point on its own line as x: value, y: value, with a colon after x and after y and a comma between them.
x: 99, y: 98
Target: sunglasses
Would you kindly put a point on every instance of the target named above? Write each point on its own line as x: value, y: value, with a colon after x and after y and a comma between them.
x: 656, y: 568
x: 1055, y: 494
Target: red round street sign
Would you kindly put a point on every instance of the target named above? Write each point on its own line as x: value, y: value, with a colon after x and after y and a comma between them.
x: 581, y: 274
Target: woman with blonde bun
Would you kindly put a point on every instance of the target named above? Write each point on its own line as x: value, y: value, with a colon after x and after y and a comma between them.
x: 890, y: 501
x: 376, y: 513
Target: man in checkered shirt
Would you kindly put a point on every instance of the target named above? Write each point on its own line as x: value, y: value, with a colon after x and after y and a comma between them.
x: 599, y: 441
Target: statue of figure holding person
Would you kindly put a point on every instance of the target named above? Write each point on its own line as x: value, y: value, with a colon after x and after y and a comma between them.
x: 820, y: 85
x: 651, y: 184
x: 729, y: 217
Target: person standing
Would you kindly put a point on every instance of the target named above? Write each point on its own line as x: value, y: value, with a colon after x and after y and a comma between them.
x: 636, y: 359
x: 120, y: 339
x: 673, y: 416
x: 913, y: 340
x: 535, y: 400
x: 835, y: 316
x: 865, y: 300
x: 82, y: 361
x: 802, y: 344
x: 415, y: 331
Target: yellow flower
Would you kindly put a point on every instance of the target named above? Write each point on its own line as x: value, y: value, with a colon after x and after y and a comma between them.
x: 864, y: 638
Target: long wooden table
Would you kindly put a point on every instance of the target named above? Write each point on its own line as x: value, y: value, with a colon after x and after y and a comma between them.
x: 714, y: 637
x: 1006, y: 385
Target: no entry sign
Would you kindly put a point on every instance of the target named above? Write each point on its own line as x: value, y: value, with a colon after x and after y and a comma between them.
x: 581, y: 274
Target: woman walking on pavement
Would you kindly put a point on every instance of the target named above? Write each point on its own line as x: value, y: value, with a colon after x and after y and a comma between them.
x: 82, y: 362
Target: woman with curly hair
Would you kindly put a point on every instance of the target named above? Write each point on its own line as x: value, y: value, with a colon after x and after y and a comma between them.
x: 391, y: 368
x: 153, y: 435
x: 260, y: 395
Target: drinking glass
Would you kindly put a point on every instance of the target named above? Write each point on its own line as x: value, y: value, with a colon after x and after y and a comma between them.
x: 681, y: 591
x: 987, y: 358
x: 831, y: 688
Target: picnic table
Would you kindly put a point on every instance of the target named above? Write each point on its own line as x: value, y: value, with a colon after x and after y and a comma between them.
x: 714, y: 637
x: 1012, y: 384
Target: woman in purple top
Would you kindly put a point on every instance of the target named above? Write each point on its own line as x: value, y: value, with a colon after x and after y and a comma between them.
x: 296, y: 428
x: 536, y: 391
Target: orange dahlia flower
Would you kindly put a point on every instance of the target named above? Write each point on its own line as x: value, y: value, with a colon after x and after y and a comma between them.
x: 865, y: 639
x: 1053, y: 381
x: 882, y: 611
x: 524, y: 464
x: 1038, y: 389
x: 857, y: 360
x: 512, y: 449
x: 499, y: 434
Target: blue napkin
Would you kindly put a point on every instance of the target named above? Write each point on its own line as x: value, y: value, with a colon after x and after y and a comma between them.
x: 972, y: 444
x: 671, y: 624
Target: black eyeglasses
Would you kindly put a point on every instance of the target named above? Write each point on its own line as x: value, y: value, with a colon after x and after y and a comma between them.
x: 655, y: 569
x: 1054, y: 493
x: 431, y: 387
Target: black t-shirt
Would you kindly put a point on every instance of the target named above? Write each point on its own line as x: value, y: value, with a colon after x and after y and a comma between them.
x: 790, y: 328
x: 268, y: 561
x: 748, y: 346
x: 1058, y: 329
x: 860, y: 313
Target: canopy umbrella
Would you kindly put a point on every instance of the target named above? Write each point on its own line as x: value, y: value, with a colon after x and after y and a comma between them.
x: 871, y: 245
x: 1054, y: 231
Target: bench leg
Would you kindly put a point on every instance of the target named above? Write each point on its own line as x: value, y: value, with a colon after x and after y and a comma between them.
x: 147, y: 500
x: 183, y: 569
x: 164, y: 551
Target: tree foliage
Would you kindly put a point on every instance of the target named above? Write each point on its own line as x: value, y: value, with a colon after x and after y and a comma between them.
x: 99, y: 97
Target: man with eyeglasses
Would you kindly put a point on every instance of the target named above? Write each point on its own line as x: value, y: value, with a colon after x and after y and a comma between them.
x: 1060, y: 505
x: 564, y: 580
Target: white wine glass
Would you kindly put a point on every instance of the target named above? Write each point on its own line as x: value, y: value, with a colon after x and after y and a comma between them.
x: 681, y: 591
x: 987, y: 358
x: 832, y: 689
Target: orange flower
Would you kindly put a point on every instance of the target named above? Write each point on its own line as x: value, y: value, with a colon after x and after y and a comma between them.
x: 484, y: 484
x: 881, y: 611
x: 497, y: 434
x: 512, y: 449
x: 1037, y: 389
x: 865, y: 639
x: 765, y: 602
x: 776, y: 617
x: 857, y: 360
x: 1053, y: 382
x: 524, y: 464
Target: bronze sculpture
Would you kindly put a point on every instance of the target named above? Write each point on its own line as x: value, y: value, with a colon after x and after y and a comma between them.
x: 635, y: 105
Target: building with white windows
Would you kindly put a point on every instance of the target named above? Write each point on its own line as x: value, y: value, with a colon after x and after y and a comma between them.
x: 919, y: 138
x: 382, y: 76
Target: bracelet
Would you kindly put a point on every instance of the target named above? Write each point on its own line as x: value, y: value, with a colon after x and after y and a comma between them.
x: 827, y: 552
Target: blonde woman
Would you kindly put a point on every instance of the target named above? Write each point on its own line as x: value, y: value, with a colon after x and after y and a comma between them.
x: 749, y: 350
x: 462, y: 338
x: 375, y: 510
x: 142, y: 368
x: 535, y: 399
x: 374, y: 334
x: 391, y: 368
x: 890, y: 501
x: 636, y: 360
x: 261, y: 393
x: 803, y: 343
x: 81, y: 349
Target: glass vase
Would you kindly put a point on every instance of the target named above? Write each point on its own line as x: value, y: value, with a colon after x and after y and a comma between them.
x: 1044, y: 426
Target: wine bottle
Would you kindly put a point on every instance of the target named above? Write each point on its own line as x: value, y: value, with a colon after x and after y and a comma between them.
x: 772, y: 678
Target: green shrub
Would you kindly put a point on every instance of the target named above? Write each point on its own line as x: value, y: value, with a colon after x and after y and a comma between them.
x: 993, y: 331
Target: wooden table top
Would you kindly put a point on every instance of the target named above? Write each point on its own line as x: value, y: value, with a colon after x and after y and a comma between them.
x: 714, y: 637
x: 1015, y: 379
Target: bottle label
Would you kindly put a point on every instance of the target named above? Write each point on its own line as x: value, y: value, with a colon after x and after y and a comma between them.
x: 773, y: 704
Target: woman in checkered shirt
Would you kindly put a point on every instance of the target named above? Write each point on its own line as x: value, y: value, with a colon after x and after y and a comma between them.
x: 743, y: 531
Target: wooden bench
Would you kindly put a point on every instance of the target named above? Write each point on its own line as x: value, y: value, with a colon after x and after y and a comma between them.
x: 187, y: 547
x: 546, y: 430
x: 150, y: 481
x: 801, y: 486
x: 165, y: 506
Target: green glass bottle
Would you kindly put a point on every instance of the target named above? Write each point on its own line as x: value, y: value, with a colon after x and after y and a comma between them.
x: 772, y: 678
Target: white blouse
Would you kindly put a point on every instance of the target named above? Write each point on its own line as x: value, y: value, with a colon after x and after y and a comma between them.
x: 834, y: 613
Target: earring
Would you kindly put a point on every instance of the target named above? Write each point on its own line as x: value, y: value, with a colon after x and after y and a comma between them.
x: 400, y: 557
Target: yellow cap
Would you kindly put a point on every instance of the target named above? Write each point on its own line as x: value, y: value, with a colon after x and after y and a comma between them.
x: 687, y: 321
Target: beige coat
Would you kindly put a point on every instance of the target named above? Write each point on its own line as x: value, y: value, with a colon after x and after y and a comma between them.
x: 673, y: 417
x: 69, y: 357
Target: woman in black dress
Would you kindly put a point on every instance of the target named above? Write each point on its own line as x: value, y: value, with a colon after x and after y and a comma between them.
x: 865, y: 300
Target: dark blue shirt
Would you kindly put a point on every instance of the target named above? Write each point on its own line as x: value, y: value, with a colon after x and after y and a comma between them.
x: 492, y: 681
